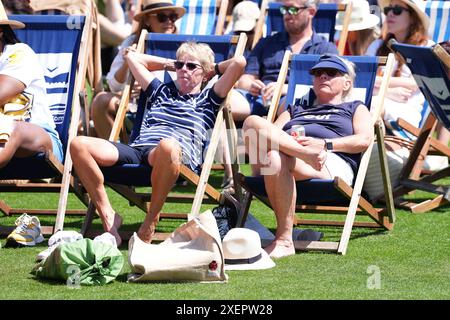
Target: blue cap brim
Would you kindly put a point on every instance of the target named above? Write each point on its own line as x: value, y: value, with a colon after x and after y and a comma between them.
x: 331, y: 63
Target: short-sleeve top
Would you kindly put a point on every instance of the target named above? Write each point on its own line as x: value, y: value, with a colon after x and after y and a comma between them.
x: 187, y: 118
x: 266, y: 58
x: 20, y: 62
x: 326, y: 121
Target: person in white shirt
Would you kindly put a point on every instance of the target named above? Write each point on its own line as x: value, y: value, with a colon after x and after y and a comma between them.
x: 22, y: 79
x: 406, y: 22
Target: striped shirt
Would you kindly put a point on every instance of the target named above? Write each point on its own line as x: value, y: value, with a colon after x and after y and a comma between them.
x: 188, y: 118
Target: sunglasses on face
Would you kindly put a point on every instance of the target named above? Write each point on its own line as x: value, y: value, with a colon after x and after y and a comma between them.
x: 163, y: 18
x: 329, y: 72
x: 189, y: 65
x: 291, y: 10
x: 397, y: 10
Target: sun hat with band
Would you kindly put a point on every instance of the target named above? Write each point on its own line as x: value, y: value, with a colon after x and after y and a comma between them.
x: 330, y: 62
x: 152, y: 6
x: 360, y: 18
x: 417, y: 5
x: 4, y: 21
x: 242, y: 251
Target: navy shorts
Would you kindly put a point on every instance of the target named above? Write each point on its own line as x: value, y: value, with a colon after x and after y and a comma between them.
x: 132, y: 155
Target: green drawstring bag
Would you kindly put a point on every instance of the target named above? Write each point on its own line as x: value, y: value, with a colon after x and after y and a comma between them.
x: 83, y: 262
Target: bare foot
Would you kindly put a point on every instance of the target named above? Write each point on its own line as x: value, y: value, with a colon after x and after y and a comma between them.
x: 280, y: 249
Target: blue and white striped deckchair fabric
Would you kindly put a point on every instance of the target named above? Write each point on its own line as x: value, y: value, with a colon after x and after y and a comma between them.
x: 439, y: 12
x: 200, y: 17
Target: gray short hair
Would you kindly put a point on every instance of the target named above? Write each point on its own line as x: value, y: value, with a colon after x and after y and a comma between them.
x: 350, y: 75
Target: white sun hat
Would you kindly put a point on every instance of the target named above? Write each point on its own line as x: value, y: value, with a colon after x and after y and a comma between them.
x: 242, y: 251
x: 360, y: 18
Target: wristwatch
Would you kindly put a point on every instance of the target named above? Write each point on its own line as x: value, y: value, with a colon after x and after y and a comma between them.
x: 328, y: 145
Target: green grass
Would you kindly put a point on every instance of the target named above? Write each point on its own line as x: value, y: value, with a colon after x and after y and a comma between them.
x: 413, y: 260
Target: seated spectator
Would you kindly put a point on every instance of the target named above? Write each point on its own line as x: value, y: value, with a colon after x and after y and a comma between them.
x: 174, y: 129
x: 157, y: 16
x: 264, y: 62
x: 406, y: 22
x: 22, y: 83
x: 362, y: 30
x: 331, y: 147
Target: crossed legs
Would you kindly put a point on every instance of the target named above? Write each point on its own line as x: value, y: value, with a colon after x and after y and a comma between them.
x: 281, y: 163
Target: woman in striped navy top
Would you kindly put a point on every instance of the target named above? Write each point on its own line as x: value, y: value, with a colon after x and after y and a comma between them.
x: 177, y: 118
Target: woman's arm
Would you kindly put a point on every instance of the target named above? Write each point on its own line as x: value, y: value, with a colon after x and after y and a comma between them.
x: 231, y: 70
x: 356, y: 143
x: 9, y: 88
x: 142, y: 65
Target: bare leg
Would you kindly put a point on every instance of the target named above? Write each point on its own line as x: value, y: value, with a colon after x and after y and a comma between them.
x: 282, y: 194
x: 88, y: 154
x: 165, y: 160
x: 26, y: 139
x: 240, y: 108
x: 104, y: 108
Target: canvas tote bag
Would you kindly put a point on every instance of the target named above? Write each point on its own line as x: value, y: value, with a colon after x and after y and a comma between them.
x: 193, y: 252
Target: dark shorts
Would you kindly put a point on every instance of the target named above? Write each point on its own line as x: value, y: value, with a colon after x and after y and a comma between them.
x: 132, y: 155
x: 256, y: 103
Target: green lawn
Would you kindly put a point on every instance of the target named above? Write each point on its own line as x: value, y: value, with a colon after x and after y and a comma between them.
x: 412, y: 260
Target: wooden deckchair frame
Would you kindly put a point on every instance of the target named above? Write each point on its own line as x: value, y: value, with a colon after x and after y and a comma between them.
x: 63, y: 169
x: 426, y: 144
x: 205, y: 193
x: 383, y: 218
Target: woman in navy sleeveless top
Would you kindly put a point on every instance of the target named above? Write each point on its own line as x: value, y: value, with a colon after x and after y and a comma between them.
x: 177, y: 117
x: 336, y: 132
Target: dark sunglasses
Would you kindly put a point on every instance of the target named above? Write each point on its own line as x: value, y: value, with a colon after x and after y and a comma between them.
x: 163, y: 18
x: 330, y: 72
x: 397, y: 10
x: 291, y: 10
x: 189, y: 65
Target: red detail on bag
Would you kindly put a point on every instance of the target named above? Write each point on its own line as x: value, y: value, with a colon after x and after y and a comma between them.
x: 213, y: 265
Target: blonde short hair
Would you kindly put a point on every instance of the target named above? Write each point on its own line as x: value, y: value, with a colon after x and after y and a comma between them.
x: 200, y: 51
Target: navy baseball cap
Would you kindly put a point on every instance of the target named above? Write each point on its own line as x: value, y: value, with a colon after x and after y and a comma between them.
x: 330, y: 62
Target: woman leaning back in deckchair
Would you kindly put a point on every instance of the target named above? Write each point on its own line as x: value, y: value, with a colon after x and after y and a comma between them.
x: 336, y: 133
x: 173, y: 130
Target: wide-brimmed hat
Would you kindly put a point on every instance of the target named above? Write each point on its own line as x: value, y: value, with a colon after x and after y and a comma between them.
x: 152, y: 6
x: 417, y: 5
x: 245, y: 15
x: 330, y: 62
x: 242, y: 251
x: 5, y: 21
x: 360, y: 19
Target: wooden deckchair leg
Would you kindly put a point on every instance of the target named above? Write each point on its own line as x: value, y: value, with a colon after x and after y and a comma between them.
x: 387, y: 186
